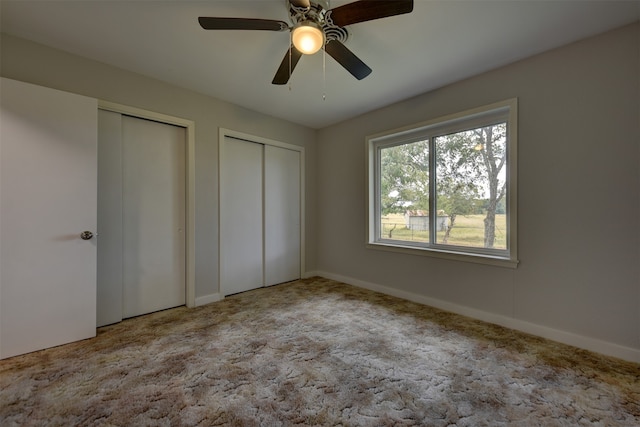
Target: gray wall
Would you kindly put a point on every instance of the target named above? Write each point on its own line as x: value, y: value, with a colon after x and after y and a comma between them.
x: 579, y: 182
x: 579, y: 192
x: 34, y: 63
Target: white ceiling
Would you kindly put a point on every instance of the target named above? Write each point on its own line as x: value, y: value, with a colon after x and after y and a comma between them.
x: 440, y: 42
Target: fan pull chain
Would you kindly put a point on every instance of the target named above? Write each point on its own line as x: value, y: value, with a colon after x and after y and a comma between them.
x: 290, y: 44
x: 324, y: 64
x: 324, y: 74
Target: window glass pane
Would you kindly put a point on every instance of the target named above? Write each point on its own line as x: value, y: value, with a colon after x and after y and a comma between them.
x: 454, y: 176
x: 404, y: 192
x: 471, y: 187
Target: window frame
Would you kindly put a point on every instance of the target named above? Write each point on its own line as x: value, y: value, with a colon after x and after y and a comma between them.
x: 477, y: 117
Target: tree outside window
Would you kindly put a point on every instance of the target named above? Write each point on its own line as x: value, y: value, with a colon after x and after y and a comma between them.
x: 446, y: 186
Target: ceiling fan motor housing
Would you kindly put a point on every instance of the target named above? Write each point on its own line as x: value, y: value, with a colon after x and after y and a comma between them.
x: 319, y: 13
x: 316, y: 26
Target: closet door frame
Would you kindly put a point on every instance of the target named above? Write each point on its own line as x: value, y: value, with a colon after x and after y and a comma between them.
x: 190, y: 179
x: 265, y: 141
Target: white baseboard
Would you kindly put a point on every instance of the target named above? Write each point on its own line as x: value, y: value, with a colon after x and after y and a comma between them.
x: 308, y: 274
x: 580, y: 341
x: 207, y: 299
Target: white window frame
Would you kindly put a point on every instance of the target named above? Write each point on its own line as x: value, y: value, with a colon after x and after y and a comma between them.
x: 477, y: 117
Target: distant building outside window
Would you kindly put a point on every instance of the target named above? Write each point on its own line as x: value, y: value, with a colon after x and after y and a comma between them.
x: 447, y: 187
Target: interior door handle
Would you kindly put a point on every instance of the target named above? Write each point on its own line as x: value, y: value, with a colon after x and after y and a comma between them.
x: 86, y: 235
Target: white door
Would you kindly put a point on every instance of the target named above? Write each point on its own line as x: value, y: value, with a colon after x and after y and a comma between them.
x: 241, y: 241
x: 110, y: 209
x: 48, y: 162
x: 260, y: 202
x: 154, y: 191
x: 141, y: 216
x: 281, y: 215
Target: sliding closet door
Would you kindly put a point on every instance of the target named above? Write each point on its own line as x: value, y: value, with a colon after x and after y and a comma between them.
x: 154, y: 192
x: 281, y: 215
x: 241, y: 242
x: 141, y: 217
x: 110, y: 208
x: 260, y: 215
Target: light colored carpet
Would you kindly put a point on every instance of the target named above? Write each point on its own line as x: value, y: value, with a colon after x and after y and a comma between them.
x: 315, y: 352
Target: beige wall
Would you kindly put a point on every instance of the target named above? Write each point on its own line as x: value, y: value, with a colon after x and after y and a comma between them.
x: 579, y: 198
x: 34, y: 63
x: 579, y: 185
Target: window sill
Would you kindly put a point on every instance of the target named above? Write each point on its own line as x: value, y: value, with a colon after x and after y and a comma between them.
x: 442, y: 254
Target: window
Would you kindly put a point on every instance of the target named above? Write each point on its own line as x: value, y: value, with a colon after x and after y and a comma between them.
x: 461, y: 168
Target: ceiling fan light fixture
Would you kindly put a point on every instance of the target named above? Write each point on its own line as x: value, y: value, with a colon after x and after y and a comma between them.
x: 307, y: 37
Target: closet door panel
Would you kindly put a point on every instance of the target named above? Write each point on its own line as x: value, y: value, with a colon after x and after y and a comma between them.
x: 154, y: 194
x: 109, y: 309
x: 282, y: 215
x: 241, y: 241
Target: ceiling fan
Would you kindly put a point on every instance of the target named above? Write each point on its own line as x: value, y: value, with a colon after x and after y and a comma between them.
x: 315, y: 26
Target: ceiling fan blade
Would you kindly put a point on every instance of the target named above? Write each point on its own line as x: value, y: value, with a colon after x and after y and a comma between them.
x: 287, y: 66
x: 301, y: 3
x: 211, y: 23
x: 367, y: 10
x: 347, y: 59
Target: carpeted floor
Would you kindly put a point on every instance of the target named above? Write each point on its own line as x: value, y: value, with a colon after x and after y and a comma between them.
x: 315, y: 352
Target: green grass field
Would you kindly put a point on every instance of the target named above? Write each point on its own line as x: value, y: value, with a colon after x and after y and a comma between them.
x: 467, y: 231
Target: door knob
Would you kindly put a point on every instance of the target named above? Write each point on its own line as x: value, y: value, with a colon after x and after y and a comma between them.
x: 86, y: 235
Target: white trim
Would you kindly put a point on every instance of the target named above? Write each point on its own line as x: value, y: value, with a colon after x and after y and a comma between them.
x: 207, y: 299
x: 309, y: 274
x: 190, y: 207
x: 502, y: 110
x: 580, y: 341
x: 482, y: 111
x: 397, y: 246
x: 223, y: 132
x: 258, y: 139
